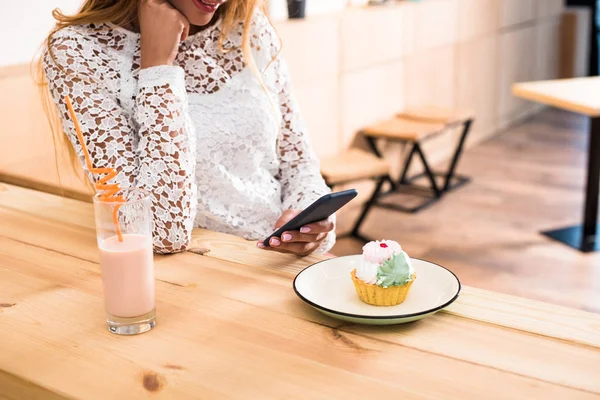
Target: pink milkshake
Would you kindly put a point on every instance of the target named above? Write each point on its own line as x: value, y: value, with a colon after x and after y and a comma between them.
x: 127, y: 275
x: 127, y: 264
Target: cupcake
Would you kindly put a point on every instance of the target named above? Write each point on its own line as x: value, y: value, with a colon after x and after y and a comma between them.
x: 385, y: 274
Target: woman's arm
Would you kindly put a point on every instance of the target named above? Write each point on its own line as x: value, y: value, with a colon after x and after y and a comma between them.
x: 154, y: 149
x: 299, y: 174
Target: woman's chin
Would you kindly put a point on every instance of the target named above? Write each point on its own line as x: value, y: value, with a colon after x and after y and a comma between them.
x: 201, y: 20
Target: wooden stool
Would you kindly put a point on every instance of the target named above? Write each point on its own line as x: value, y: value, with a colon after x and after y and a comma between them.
x: 436, y: 114
x: 355, y: 165
x: 450, y: 118
x: 414, y: 127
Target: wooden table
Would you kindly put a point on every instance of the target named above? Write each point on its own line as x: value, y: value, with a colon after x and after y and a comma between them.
x: 582, y: 96
x: 230, y: 326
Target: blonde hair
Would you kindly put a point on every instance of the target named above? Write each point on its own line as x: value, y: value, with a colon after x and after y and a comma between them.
x: 124, y: 13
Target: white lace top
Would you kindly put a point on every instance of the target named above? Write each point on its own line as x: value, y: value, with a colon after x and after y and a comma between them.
x: 201, y: 136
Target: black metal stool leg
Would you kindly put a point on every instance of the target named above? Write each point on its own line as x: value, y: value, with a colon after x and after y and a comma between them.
x: 366, y: 208
x: 405, y: 184
x: 373, y: 145
x: 428, y: 172
x: 457, y: 154
x: 406, y: 167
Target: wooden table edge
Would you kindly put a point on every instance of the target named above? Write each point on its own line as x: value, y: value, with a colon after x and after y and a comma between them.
x: 523, y: 91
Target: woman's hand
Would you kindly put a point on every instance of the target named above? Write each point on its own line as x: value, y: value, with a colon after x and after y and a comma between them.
x: 302, y: 242
x: 162, y: 27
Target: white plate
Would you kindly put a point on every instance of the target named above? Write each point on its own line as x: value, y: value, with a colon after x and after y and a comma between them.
x: 327, y: 286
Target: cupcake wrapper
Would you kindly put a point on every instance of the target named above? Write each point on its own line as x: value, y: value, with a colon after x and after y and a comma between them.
x: 380, y: 296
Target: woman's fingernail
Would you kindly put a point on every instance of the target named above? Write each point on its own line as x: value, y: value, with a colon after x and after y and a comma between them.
x: 275, y: 242
x: 305, y: 229
x: 260, y: 245
x: 287, y: 237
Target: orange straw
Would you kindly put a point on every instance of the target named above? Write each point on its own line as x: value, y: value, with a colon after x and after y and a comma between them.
x: 107, y: 190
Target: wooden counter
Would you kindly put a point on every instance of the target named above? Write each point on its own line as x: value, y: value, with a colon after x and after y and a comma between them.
x: 230, y: 326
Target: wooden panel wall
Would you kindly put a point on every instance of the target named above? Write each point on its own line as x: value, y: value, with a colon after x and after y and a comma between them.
x: 360, y: 65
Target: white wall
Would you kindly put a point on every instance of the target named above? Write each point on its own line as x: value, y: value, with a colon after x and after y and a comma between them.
x: 24, y: 25
x: 278, y: 8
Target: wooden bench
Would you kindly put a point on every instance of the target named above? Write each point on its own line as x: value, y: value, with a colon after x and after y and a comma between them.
x: 352, y: 166
x: 414, y: 126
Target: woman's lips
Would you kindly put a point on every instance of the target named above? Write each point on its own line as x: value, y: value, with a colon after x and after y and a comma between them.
x: 207, y: 6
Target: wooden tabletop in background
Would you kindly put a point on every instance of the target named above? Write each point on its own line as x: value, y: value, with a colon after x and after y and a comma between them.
x: 579, y: 95
x: 230, y: 326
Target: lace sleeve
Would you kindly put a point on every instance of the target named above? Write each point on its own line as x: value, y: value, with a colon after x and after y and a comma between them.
x: 152, y: 149
x: 299, y: 173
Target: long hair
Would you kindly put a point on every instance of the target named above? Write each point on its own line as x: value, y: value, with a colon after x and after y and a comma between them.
x: 124, y: 13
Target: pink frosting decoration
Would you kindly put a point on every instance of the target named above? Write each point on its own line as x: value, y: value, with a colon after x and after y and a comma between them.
x: 377, y: 252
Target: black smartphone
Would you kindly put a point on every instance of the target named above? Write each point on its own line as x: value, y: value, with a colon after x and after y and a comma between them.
x: 317, y: 211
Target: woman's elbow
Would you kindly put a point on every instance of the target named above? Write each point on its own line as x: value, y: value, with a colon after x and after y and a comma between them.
x: 170, y: 248
x: 173, y: 241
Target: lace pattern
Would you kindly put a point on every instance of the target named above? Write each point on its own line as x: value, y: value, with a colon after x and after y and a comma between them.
x: 201, y: 135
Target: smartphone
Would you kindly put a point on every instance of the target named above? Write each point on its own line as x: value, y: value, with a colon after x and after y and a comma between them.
x: 321, y: 209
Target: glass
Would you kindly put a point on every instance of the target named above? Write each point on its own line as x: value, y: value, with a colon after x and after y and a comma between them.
x: 127, y: 266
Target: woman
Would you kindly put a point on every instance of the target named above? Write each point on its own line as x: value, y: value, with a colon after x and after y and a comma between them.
x: 190, y: 100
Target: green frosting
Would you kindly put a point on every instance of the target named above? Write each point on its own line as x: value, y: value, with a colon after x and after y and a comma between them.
x: 395, y: 271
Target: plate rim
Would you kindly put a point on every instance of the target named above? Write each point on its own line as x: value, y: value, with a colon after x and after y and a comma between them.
x: 377, y: 317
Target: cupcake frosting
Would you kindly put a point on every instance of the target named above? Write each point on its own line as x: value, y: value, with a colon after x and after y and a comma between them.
x: 398, y: 270
x: 384, y: 263
x: 367, y: 272
x: 377, y: 252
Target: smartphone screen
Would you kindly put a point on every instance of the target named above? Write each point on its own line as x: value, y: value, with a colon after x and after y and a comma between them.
x: 320, y: 210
